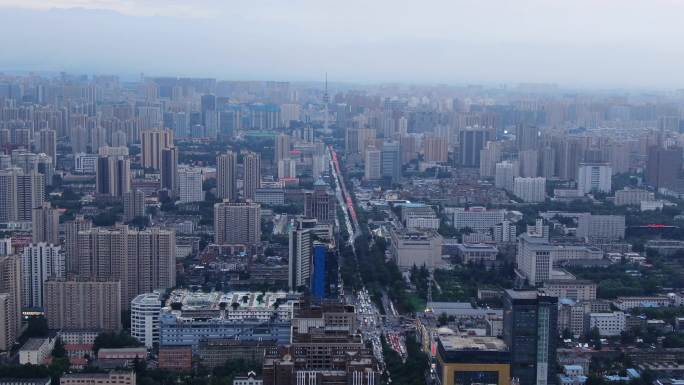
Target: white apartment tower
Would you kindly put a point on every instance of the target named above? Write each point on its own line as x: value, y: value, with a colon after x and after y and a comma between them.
x: 594, y: 177
x: 372, y: 165
x: 39, y: 262
x: 190, y: 185
x: 530, y: 189
x: 505, y: 174
x: 145, y: 311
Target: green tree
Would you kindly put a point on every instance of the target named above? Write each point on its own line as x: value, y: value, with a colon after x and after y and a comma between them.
x: 37, y: 327
x: 567, y: 334
x: 673, y: 341
x: 594, y: 336
x: 595, y: 380
x: 114, y: 340
x: 58, y: 351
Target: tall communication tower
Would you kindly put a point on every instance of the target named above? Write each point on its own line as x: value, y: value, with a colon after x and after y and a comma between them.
x: 326, y: 101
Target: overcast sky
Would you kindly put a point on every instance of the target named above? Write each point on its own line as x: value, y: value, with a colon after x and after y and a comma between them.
x: 594, y: 43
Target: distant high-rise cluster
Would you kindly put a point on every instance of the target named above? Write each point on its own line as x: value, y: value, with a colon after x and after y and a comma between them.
x: 301, y: 228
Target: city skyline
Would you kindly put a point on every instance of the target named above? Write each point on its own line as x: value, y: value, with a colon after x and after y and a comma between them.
x: 486, y: 193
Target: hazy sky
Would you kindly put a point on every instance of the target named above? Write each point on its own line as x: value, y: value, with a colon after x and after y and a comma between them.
x: 570, y: 42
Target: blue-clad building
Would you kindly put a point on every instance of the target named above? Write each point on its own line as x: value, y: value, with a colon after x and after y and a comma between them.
x: 190, y: 317
x: 181, y: 331
x: 318, y: 280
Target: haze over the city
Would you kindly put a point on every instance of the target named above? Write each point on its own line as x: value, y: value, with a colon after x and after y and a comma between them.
x: 610, y: 43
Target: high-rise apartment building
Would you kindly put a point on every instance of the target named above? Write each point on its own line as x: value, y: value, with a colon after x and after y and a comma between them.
x: 358, y: 139
x: 390, y: 160
x: 319, y: 165
x: 530, y: 189
x: 190, y: 185
x: 46, y: 168
x: 531, y: 333
x: 471, y: 141
x: 320, y: 203
x: 169, y: 170
x: 226, y: 176
x: 47, y: 143
x: 210, y: 119
x: 547, y: 162
x: 505, y: 174
x: 133, y: 204
x: 113, y: 176
x: 24, y: 160
x: 119, y: 139
x: 237, y: 223
x: 78, y: 304
x: 252, y: 164
x: 435, y: 149
x: 527, y: 137
x: 289, y: 112
x: 529, y: 163
x: 143, y: 260
x: 663, y: 166
x: 287, y: 169
x: 619, y: 157
x: 71, y: 230
x: 6, y: 247
x: 372, y: 165
x: 490, y: 155
x: 282, y: 148
x: 409, y: 148
x: 10, y: 301
x: 39, y: 262
x: 145, y: 311
x: 230, y: 122
x: 152, y: 144
x: 569, y: 153
x: 45, y: 226
x: 19, y: 193
x: 300, y: 254
x: 594, y: 177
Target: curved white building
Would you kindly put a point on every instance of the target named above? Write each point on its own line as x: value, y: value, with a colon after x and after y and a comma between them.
x: 145, y: 310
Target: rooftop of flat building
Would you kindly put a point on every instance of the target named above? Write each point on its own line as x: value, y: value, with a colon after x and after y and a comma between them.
x: 569, y: 281
x: 191, y: 300
x: 460, y: 343
x: 477, y: 247
x: 134, y: 349
x: 27, y: 381
x: 560, y: 275
x: 306, y: 309
x: 522, y: 294
x: 33, y: 344
x: 451, y: 305
x: 415, y: 235
x: 99, y: 375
